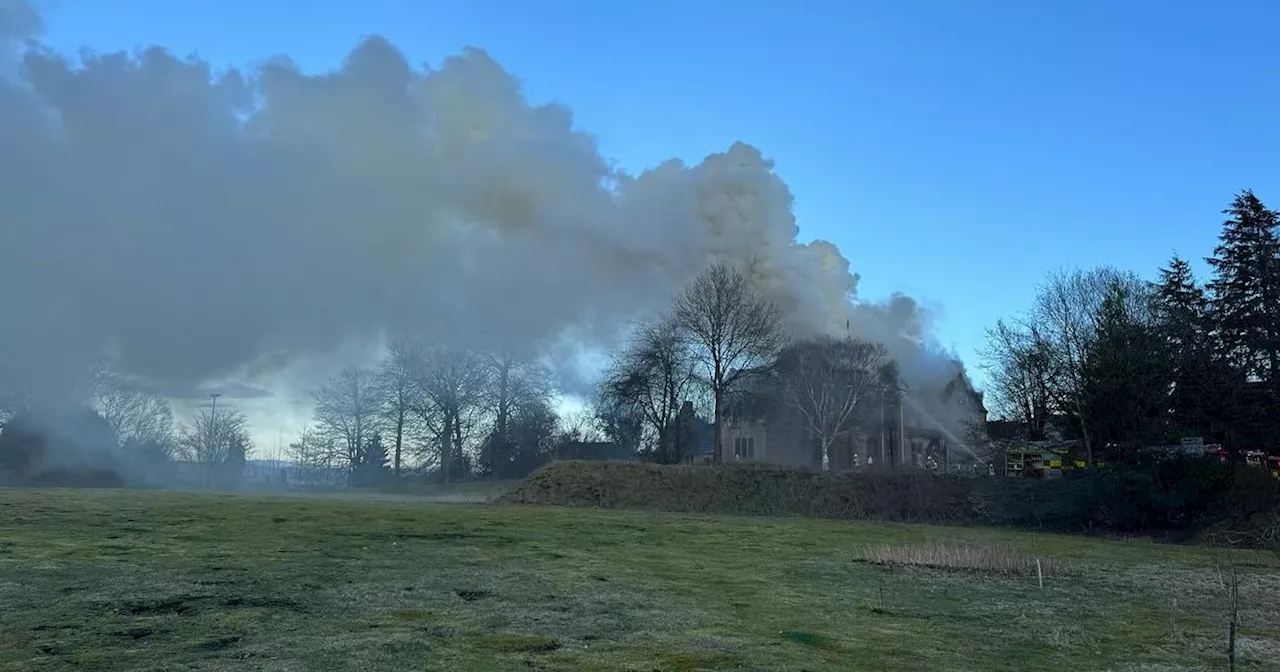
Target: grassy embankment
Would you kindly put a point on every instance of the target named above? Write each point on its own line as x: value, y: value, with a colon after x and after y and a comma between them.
x: 119, y: 580
x: 1179, y: 500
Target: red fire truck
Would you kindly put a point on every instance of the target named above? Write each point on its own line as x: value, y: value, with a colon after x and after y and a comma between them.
x: 1253, y: 458
x: 1261, y: 460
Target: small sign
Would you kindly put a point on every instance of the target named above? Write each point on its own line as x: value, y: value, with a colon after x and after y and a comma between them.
x: 1189, y: 441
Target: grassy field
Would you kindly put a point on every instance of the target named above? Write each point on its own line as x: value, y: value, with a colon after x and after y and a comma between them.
x: 117, y: 580
x: 472, y: 492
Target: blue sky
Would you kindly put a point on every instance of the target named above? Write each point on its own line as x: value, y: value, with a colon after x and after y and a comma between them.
x: 954, y: 150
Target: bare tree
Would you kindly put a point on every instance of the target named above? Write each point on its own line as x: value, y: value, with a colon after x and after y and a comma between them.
x: 581, y: 425
x: 315, y: 454
x: 512, y: 382
x: 532, y: 436
x: 828, y: 382
x: 653, y: 376
x: 397, y: 381
x: 139, y: 418
x: 1018, y: 361
x: 12, y: 400
x: 504, y: 391
x: 1068, y: 312
x: 214, y: 439
x: 454, y: 386
x: 348, y: 411
x: 733, y: 329
x: 620, y: 423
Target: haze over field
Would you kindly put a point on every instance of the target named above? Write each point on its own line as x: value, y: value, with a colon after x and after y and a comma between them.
x: 257, y: 227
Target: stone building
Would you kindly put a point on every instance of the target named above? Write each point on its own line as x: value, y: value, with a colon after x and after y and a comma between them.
x: 927, y: 428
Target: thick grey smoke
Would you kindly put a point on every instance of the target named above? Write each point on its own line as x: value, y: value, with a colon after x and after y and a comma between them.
x: 19, y: 20
x: 193, y: 224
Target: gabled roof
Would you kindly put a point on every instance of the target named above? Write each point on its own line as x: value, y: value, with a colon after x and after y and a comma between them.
x: 961, y: 383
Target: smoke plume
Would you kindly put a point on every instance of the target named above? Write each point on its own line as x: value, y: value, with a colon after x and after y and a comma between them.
x: 192, y: 224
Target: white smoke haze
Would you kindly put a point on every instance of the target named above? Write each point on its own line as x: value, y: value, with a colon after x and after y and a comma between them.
x: 198, y: 226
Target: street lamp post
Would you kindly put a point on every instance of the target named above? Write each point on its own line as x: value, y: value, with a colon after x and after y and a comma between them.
x: 210, y: 454
x: 213, y: 415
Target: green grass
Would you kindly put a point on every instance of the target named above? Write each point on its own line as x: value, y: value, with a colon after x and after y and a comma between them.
x: 118, y: 580
x: 468, y: 491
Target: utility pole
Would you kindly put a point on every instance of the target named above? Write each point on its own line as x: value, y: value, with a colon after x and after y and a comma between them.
x: 213, y: 414
x: 213, y: 421
x: 902, y: 426
x: 209, y: 453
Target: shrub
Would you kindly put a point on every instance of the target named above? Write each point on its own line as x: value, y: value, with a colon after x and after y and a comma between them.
x: 1176, y: 497
x: 66, y: 477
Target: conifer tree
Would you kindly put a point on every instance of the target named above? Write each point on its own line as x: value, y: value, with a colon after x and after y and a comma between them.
x: 1126, y: 371
x: 1182, y: 319
x: 374, y: 466
x: 1245, y: 290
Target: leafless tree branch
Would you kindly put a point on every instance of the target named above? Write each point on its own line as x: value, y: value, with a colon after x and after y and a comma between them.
x: 829, y: 383
x: 733, y: 328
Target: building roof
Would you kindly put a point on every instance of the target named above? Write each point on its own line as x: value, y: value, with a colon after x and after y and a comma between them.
x: 704, y: 438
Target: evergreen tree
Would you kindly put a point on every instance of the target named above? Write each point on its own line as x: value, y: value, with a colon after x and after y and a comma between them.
x: 1245, y: 312
x: 1245, y: 290
x: 22, y: 445
x: 237, y: 458
x: 1182, y: 309
x: 1125, y: 373
x: 622, y: 425
x: 496, y: 451
x: 533, y: 430
x: 375, y: 464
x: 1182, y: 315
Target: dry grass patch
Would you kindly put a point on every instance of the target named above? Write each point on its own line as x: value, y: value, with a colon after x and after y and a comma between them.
x: 998, y: 559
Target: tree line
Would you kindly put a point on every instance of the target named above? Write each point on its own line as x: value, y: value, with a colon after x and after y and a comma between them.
x: 445, y: 413
x: 1119, y: 362
x: 124, y: 434
x: 450, y: 413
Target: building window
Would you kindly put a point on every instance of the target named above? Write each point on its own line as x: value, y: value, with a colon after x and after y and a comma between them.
x: 744, y: 447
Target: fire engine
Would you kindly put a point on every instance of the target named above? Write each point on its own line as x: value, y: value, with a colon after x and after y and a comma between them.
x: 1258, y: 459
x: 1041, y: 462
x: 1261, y: 460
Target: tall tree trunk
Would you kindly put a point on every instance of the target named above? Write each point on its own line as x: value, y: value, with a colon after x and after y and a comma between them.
x: 399, y: 439
x: 717, y: 383
x: 504, y: 402
x: 446, y: 447
x: 719, y: 428
x: 457, y: 436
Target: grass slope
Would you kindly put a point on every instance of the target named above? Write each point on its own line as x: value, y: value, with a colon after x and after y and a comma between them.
x: 116, y: 580
x: 1175, y: 499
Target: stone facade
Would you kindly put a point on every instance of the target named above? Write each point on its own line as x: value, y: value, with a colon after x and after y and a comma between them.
x: 903, y: 431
